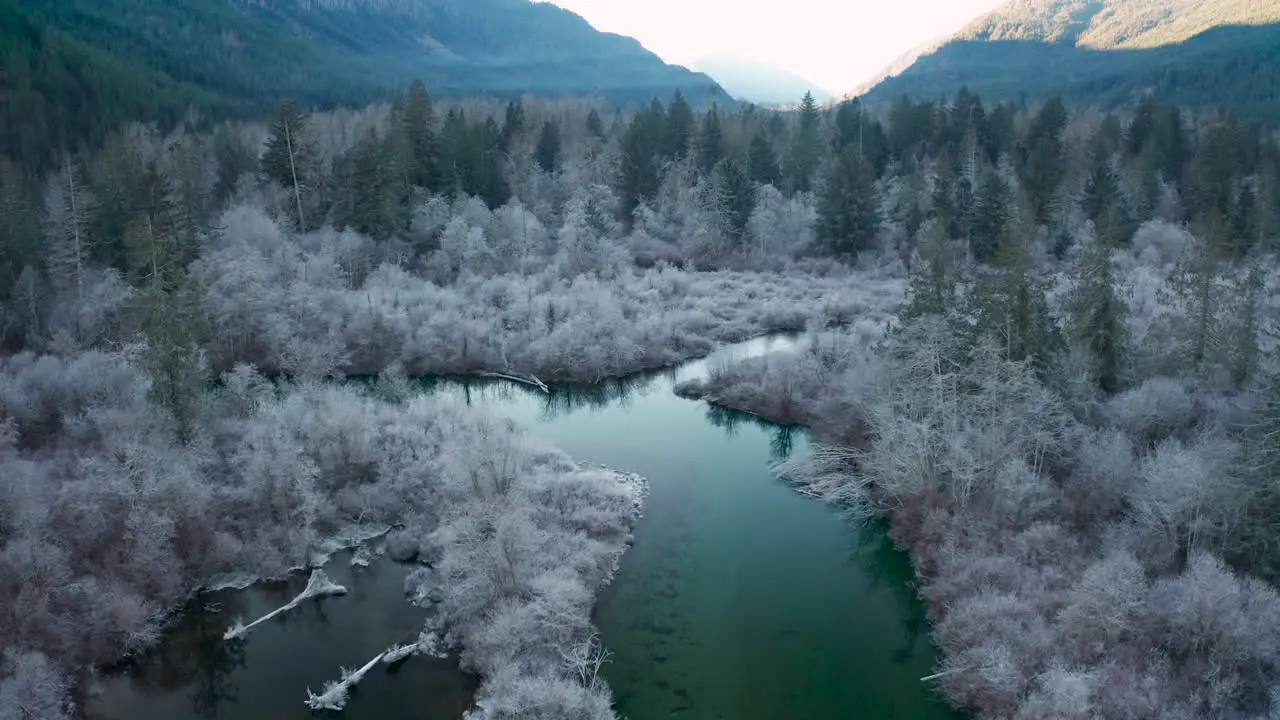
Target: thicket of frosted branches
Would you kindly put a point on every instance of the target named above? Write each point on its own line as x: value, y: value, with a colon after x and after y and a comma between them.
x: 109, y: 524
x: 1075, y: 547
x: 527, y: 540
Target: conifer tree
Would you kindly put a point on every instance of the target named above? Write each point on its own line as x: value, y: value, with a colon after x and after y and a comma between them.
x: 738, y: 192
x: 234, y: 158
x: 290, y: 154
x: 595, y: 125
x: 417, y: 123
x: 762, y: 163
x: 1096, y: 312
x: 710, y: 141
x: 806, y: 147
x: 849, y: 209
x: 990, y: 217
x: 679, y: 129
x: 1011, y: 301
x: 68, y: 209
x: 933, y: 282
x: 548, y: 153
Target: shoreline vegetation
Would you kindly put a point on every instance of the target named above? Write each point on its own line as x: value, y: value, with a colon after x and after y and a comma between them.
x: 1073, y: 423
x: 1080, y: 554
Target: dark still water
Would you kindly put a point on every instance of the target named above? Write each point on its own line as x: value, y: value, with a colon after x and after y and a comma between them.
x: 741, y: 599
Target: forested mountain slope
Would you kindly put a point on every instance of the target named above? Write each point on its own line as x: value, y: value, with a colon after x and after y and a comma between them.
x: 1196, y: 53
x: 74, y: 67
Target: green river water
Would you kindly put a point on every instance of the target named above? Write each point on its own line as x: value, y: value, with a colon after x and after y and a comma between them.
x: 740, y: 600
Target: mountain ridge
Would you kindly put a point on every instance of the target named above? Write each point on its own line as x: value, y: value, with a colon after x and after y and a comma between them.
x: 88, y: 65
x: 1107, y: 53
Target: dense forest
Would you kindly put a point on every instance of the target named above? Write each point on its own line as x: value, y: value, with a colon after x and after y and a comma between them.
x: 76, y: 69
x: 1082, y: 357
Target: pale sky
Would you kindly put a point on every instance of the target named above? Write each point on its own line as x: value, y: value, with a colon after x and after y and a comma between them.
x: 836, y: 44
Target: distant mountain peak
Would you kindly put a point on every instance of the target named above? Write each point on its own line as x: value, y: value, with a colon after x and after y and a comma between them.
x: 760, y: 82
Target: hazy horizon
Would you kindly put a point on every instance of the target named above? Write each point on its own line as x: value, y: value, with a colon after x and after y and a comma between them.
x: 836, y: 47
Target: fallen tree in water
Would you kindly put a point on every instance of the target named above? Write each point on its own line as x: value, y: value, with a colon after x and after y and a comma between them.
x: 318, y: 585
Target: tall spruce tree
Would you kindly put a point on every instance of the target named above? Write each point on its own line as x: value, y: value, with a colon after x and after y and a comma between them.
x: 417, y: 124
x: 806, y: 147
x: 762, y: 163
x: 1096, y: 314
x: 548, y: 152
x: 710, y: 141
x: 680, y: 128
x: 849, y: 209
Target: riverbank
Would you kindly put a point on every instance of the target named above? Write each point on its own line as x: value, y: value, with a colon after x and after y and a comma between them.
x: 1046, y: 593
x: 108, y: 523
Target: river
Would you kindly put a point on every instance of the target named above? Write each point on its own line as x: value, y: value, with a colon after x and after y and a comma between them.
x: 740, y: 600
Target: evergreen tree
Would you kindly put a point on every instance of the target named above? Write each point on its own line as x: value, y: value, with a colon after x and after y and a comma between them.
x: 290, y: 154
x: 738, y: 191
x: 117, y: 179
x: 595, y: 125
x: 548, y: 153
x: 762, y: 164
x: 710, y: 141
x: 680, y: 128
x: 933, y: 283
x: 1096, y: 313
x: 1196, y: 288
x: 1044, y: 165
x: 491, y: 178
x: 375, y: 189
x: 512, y: 125
x: 639, y: 169
x: 848, y: 209
x: 990, y: 217
x: 234, y: 158
x: 806, y: 147
x: 1011, y: 302
x: 20, y: 237
x: 68, y: 208
x: 457, y: 161
x: 417, y: 125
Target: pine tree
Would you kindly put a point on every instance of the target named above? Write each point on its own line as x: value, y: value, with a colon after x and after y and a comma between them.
x: 1011, y: 302
x: 933, y: 283
x: 595, y: 125
x: 234, y: 158
x: 1096, y: 314
x: 1044, y: 167
x: 68, y: 208
x: 417, y: 123
x: 806, y: 147
x: 1195, y: 285
x: 990, y: 217
x: 738, y: 191
x: 849, y: 209
x: 290, y: 154
x: 680, y: 128
x: 710, y: 141
x: 638, y: 171
x: 513, y: 124
x: 548, y: 153
x: 762, y: 164
x: 20, y: 236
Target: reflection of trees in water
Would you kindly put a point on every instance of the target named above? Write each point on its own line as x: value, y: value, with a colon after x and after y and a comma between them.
x: 782, y: 438
x: 193, y: 654
x: 890, y: 567
x: 567, y: 398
